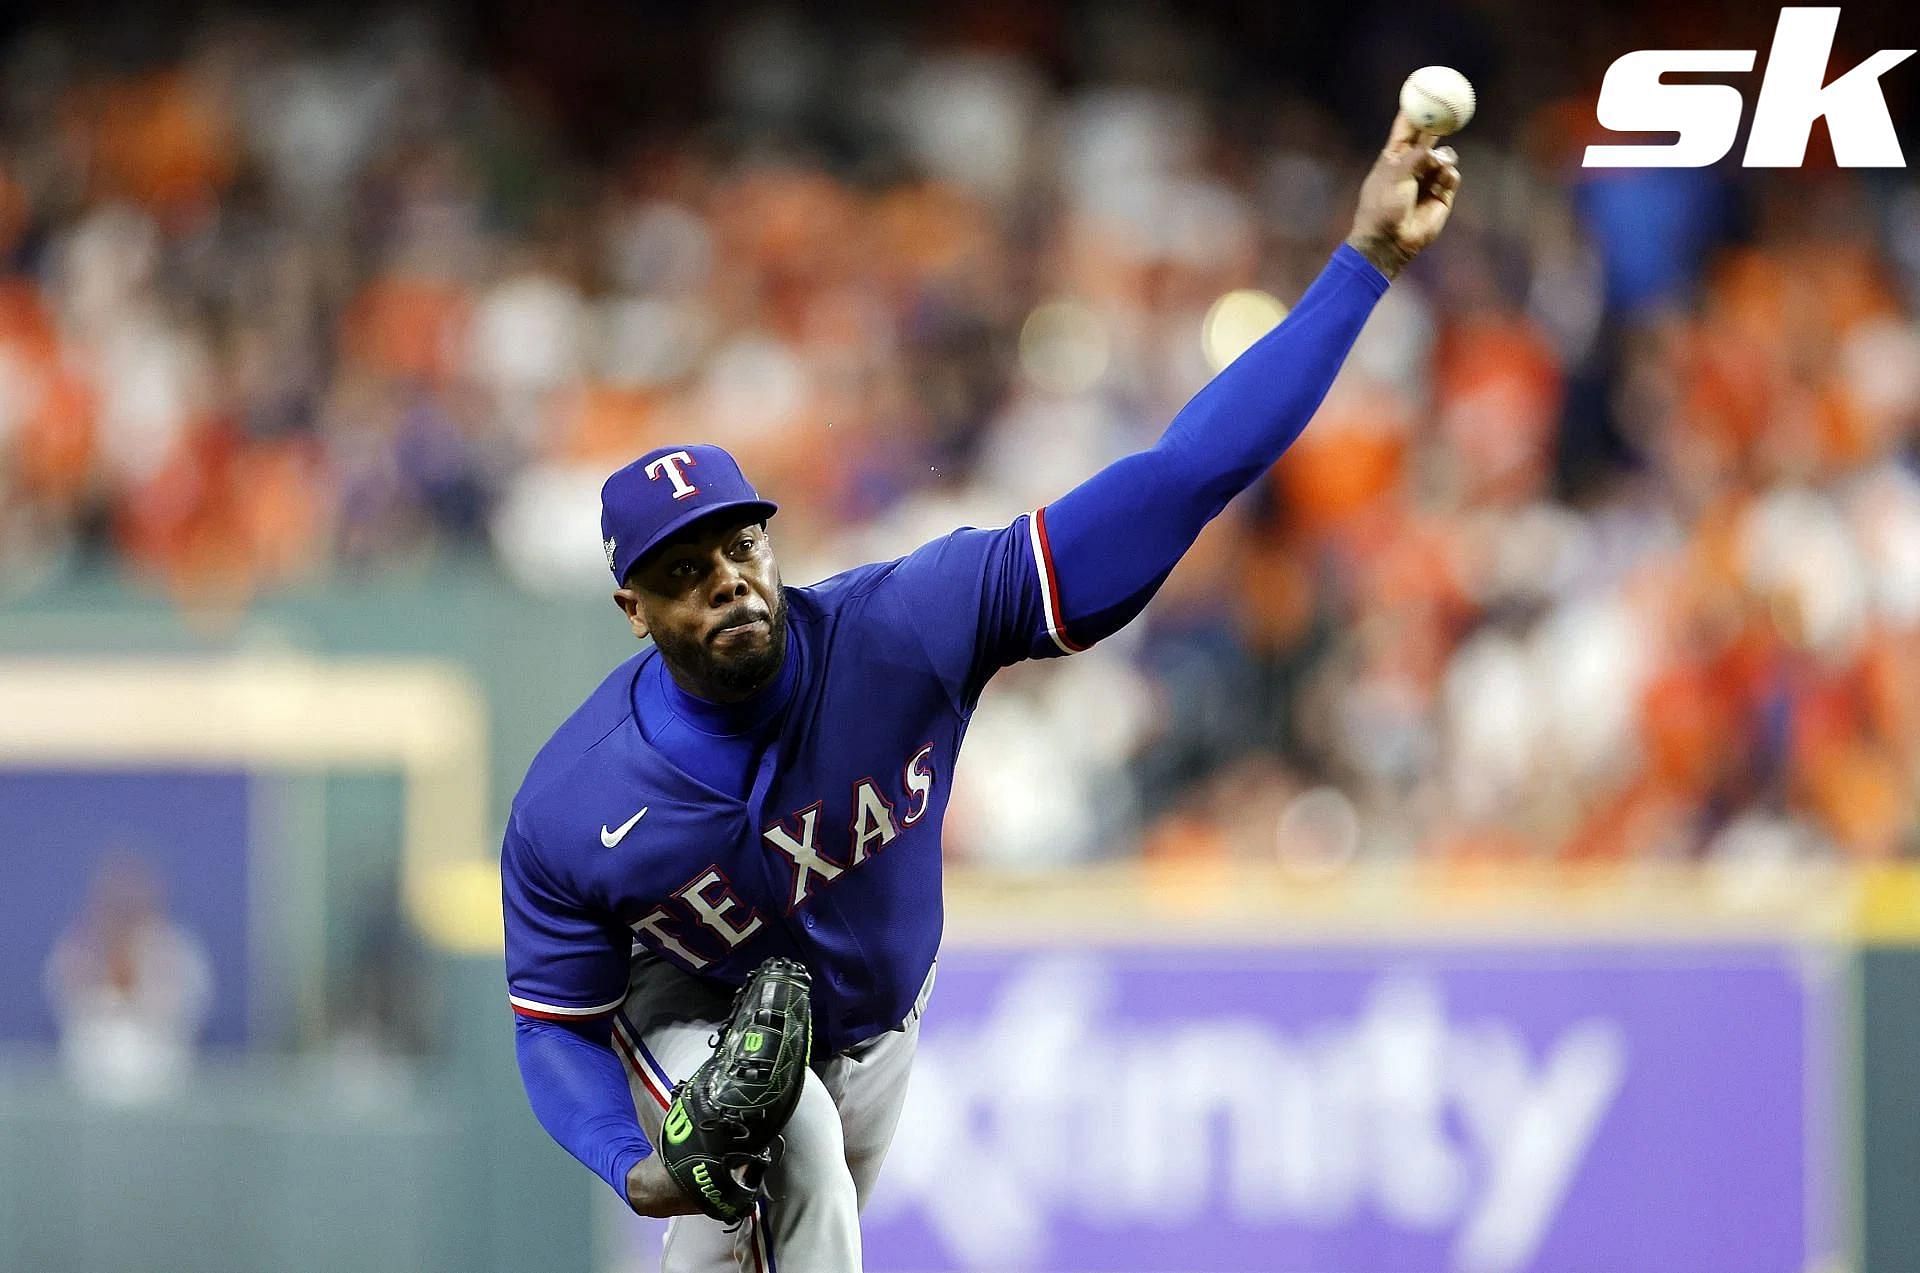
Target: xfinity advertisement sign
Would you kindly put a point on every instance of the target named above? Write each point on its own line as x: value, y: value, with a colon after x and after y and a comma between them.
x: 1358, y: 1111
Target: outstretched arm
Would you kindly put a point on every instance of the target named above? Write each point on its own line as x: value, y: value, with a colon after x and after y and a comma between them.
x: 1109, y: 543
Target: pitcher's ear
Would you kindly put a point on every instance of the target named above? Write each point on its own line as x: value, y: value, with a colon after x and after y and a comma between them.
x: 629, y: 602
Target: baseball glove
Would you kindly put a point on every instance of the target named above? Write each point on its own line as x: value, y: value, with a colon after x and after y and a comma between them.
x: 722, y: 1131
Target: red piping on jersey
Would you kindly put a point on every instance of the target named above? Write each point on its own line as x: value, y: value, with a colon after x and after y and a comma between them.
x: 569, y: 1018
x: 1050, y: 587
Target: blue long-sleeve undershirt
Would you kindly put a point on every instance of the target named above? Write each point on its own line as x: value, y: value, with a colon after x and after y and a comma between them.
x: 1114, y: 539
x: 1117, y: 535
x: 579, y: 1093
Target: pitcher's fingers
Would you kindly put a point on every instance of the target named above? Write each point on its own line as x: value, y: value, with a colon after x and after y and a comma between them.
x: 1428, y: 160
x: 1404, y: 134
x: 1444, y: 183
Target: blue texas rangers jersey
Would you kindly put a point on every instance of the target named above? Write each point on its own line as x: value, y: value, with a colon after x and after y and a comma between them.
x: 833, y: 856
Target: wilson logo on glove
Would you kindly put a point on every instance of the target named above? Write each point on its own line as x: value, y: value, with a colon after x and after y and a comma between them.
x: 708, y: 1190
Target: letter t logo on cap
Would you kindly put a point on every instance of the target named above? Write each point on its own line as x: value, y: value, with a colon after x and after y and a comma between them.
x: 669, y: 464
x: 639, y: 510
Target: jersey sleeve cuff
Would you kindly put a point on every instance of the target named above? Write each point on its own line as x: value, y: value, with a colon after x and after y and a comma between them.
x: 1366, y: 271
x: 540, y: 1011
x: 623, y: 1164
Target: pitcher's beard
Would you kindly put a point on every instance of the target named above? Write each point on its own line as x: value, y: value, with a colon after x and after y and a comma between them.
x: 734, y: 675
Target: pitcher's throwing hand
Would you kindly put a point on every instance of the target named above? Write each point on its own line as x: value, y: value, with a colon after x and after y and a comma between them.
x: 1406, y: 198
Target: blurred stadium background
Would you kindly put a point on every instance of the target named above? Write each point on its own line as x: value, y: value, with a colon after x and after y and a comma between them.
x: 1494, y: 851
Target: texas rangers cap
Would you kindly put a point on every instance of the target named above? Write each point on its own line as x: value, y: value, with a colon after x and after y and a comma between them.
x: 665, y: 491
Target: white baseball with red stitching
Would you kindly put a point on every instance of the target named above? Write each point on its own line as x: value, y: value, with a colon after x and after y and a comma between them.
x: 1438, y: 99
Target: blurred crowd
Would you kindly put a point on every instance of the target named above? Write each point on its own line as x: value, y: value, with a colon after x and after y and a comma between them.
x: 1606, y: 544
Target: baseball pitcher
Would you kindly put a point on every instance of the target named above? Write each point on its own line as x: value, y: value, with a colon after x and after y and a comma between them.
x: 722, y: 874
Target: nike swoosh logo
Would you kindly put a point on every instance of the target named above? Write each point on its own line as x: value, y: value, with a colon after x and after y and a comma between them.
x: 611, y: 838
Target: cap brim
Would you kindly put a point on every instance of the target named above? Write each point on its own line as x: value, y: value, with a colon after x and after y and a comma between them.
x: 746, y: 510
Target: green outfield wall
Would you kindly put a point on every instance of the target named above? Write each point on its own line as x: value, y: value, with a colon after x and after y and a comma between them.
x: 1889, y: 1090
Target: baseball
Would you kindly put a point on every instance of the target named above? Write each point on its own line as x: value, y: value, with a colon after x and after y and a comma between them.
x: 1438, y: 99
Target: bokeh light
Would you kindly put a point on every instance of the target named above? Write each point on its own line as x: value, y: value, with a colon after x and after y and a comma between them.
x: 1235, y: 321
